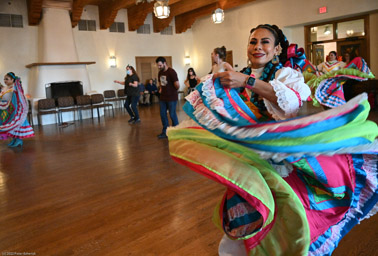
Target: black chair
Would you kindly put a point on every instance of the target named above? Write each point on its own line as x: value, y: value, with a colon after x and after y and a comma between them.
x: 98, y: 102
x: 66, y: 104
x: 122, y: 96
x: 47, y: 107
x: 110, y: 96
x: 83, y: 102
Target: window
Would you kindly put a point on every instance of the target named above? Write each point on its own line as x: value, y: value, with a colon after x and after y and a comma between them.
x: 87, y: 25
x: 351, y: 28
x: 144, y: 29
x: 167, y: 31
x: 321, y: 33
x: 117, y: 27
x: 11, y: 20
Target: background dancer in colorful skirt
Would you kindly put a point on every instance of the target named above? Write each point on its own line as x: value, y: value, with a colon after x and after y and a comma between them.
x: 331, y: 64
x: 13, y: 112
x: 295, y: 186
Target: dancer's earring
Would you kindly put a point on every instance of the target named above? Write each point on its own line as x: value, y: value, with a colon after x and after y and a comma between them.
x: 276, y: 59
x: 249, y: 63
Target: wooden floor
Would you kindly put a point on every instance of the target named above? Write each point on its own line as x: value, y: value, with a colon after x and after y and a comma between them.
x: 110, y: 188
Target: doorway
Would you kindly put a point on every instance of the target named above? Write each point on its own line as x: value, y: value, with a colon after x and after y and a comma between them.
x: 147, y: 69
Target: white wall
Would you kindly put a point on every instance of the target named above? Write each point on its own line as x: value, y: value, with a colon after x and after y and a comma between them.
x: 290, y: 15
x: 18, y: 46
x: 98, y: 46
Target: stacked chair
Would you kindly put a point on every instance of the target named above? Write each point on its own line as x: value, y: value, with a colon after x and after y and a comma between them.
x: 110, y: 96
x: 83, y: 102
x: 66, y: 104
x: 98, y: 102
x: 79, y: 104
x: 47, y: 107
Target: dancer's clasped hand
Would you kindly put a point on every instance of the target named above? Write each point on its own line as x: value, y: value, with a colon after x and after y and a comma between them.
x: 231, y: 79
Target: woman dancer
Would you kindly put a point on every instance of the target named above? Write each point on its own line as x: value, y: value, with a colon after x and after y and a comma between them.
x: 218, y: 57
x: 294, y: 186
x: 191, y: 80
x: 13, y: 111
x: 132, y: 92
x: 331, y: 64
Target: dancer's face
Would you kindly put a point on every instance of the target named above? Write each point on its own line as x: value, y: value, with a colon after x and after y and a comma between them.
x: 347, y: 57
x: 261, y: 47
x: 8, y: 80
x: 215, y: 57
x: 331, y: 56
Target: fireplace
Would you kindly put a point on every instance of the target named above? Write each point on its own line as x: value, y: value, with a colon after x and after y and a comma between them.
x: 64, y: 89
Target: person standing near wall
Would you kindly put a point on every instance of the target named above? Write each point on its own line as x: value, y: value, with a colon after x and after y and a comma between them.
x: 168, y: 87
x: 132, y: 92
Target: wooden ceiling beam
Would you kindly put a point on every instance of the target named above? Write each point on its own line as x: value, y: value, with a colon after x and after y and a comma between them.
x: 178, y: 8
x: 77, y: 10
x: 136, y: 15
x: 34, y: 11
x: 229, y: 4
x: 186, y: 20
x: 108, y: 11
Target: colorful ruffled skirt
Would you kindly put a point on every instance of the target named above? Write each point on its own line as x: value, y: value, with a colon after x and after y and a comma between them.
x: 13, y: 116
x: 294, y: 187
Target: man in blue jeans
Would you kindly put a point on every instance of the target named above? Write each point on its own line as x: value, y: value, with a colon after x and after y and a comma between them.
x: 169, y: 85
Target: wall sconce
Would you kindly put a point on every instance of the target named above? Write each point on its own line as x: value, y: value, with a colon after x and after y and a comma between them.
x: 314, y: 30
x: 349, y: 32
x: 161, y: 9
x: 112, y: 62
x: 187, y: 60
x: 218, y: 16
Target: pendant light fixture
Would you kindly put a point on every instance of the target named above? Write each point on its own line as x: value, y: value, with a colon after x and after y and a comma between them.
x: 218, y: 16
x: 161, y: 9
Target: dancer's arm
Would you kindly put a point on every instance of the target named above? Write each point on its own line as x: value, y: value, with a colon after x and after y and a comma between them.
x: 119, y: 82
x: 228, y: 67
x: 233, y: 79
x: 134, y: 84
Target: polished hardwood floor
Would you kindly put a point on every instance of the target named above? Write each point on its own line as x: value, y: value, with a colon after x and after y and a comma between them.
x: 109, y: 188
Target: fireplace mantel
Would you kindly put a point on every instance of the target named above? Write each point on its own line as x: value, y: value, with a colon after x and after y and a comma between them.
x: 59, y: 63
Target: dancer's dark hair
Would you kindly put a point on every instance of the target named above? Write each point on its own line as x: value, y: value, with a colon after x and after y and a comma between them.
x: 221, y: 51
x: 11, y: 75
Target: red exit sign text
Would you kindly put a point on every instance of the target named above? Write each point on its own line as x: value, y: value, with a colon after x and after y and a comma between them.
x: 323, y: 9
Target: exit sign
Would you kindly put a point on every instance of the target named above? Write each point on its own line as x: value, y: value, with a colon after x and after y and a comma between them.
x: 323, y: 9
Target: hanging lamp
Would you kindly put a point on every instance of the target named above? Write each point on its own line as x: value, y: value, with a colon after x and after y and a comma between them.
x: 218, y: 16
x: 161, y: 9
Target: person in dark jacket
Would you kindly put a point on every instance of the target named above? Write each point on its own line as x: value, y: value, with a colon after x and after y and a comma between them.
x: 152, y: 90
